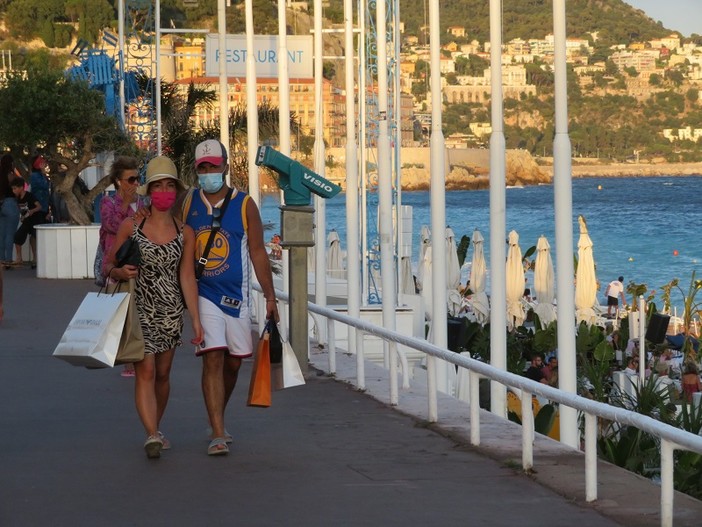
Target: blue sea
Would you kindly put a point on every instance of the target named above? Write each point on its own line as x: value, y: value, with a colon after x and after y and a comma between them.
x: 645, y: 229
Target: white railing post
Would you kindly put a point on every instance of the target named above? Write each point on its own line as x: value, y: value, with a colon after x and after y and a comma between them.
x: 527, y: 431
x: 667, y: 451
x: 433, y: 416
x: 590, y: 457
x: 331, y: 338
x: 474, y: 408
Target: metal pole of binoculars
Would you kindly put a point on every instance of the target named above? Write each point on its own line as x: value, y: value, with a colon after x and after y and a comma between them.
x: 297, y: 234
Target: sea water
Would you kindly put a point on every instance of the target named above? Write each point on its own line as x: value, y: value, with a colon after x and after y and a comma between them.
x: 645, y: 229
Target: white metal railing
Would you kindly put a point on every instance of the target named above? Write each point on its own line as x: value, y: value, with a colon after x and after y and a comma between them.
x: 672, y: 438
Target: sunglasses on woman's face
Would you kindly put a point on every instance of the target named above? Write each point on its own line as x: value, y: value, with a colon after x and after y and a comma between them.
x: 131, y: 180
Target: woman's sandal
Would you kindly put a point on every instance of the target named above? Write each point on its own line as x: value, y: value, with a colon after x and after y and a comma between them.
x: 166, y: 442
x: 153, y: 447
x: 218, y: 447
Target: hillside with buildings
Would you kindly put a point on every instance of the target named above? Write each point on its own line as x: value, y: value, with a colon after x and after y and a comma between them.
x: 633, y: 85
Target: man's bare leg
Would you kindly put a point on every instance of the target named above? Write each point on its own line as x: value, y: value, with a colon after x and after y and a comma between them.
x: 213, y: 389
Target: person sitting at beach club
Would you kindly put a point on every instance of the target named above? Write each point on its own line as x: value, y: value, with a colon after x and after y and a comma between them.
x: 535, y: 372
x: 690, y: 380
x: 632, y: 366
x: 615, y: 290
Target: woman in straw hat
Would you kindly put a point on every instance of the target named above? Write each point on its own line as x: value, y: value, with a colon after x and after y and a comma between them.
x: 160, y: 276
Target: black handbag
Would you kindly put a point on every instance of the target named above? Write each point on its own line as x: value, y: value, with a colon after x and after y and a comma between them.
x: 276, y: 344
x: 129, y: 252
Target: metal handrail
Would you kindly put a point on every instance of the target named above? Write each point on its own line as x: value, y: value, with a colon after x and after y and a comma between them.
x: 672, y: 438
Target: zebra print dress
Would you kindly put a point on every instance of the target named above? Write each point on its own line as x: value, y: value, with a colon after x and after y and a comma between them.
x: 158, y: 298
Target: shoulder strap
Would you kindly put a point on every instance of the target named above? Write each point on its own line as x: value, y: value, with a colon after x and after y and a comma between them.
x: 202, y: 262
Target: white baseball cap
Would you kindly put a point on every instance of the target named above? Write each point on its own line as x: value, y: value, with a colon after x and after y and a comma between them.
x: 210, y: 151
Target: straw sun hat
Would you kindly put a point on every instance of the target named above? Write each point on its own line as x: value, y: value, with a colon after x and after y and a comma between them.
x: 159, y: 168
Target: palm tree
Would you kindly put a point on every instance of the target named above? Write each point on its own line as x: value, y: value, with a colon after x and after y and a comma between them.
x: 268, y: 130
x: 178, y: 135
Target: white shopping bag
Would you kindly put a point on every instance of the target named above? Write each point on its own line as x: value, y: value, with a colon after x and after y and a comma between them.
x: 93, y: 335
x: 288, y: 373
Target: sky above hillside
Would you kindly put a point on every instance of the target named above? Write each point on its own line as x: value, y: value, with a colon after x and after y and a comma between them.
x: 682, y: 15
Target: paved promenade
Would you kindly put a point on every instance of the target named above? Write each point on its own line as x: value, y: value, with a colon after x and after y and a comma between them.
x: 323, y: 454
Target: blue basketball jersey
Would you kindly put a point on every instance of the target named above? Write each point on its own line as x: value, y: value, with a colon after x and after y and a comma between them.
x: 225, y: 281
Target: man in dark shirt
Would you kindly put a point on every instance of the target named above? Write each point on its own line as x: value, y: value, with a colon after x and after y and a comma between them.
x: 535, y: 372
x: 31, y: 215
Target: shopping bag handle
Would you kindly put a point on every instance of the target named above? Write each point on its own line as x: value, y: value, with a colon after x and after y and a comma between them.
x: 266, y: 328
x: 103, y: 288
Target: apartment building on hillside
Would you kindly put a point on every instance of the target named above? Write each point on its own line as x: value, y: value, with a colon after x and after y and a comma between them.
x: 267, y: 91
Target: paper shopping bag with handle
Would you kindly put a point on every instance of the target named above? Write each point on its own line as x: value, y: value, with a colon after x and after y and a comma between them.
x: 93, y: 335
x: 260, y: 387
x: 131, y: 345
x: 287, y: 373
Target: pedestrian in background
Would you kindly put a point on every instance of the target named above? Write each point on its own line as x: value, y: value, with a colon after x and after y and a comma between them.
x: 114, y: 209
x: 40, y: 185
x: 9, y: 211
x: 31, y: 216
x: 615, y: 291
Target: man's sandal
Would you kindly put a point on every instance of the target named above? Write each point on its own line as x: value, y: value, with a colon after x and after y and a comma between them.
x: 227, y: 435
x: 218, y: 447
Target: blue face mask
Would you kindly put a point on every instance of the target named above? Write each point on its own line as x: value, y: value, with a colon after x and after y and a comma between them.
x: 211, y: 183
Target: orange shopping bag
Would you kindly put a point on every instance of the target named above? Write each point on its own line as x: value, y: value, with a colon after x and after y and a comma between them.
x: 260, y: 387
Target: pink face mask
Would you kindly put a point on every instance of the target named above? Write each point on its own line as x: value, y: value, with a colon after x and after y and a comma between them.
x: 163, y: 200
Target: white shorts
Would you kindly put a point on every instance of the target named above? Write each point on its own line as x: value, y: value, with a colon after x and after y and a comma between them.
x: 224, y: 331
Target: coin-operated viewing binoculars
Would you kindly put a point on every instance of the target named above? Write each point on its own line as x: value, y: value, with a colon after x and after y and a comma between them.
x: 295, y: 180
x: 297, y: 234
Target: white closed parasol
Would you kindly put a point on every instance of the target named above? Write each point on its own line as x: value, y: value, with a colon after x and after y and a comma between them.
x: 334, y: 261
x: 585, y: 279
x: 478, y: 276
x: 515, y: 283
x: 543, y: 282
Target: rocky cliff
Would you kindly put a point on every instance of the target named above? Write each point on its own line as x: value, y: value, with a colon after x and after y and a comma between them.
x: 466, y: 169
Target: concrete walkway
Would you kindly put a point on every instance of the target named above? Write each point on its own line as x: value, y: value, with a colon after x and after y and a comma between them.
x: 323, y: 454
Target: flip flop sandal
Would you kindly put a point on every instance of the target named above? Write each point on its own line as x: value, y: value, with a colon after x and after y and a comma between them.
x: 153, y: 447
x: 227, y: 435
x: 218, y: 447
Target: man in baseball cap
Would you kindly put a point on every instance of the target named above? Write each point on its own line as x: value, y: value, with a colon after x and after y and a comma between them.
x: 229, y: 234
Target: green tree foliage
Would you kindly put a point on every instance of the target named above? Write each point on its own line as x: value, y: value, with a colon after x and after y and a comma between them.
x: 473, y: 65
x: 28, y: 19
x: 615, y: 21
x: 46, y: 32
x: 328, y: 70
x: 538, y: 75
x: 25, y: 18
x: 675, y: 76
x: 92, y: 15
x: 265, y: 21
x: 64, y: 118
